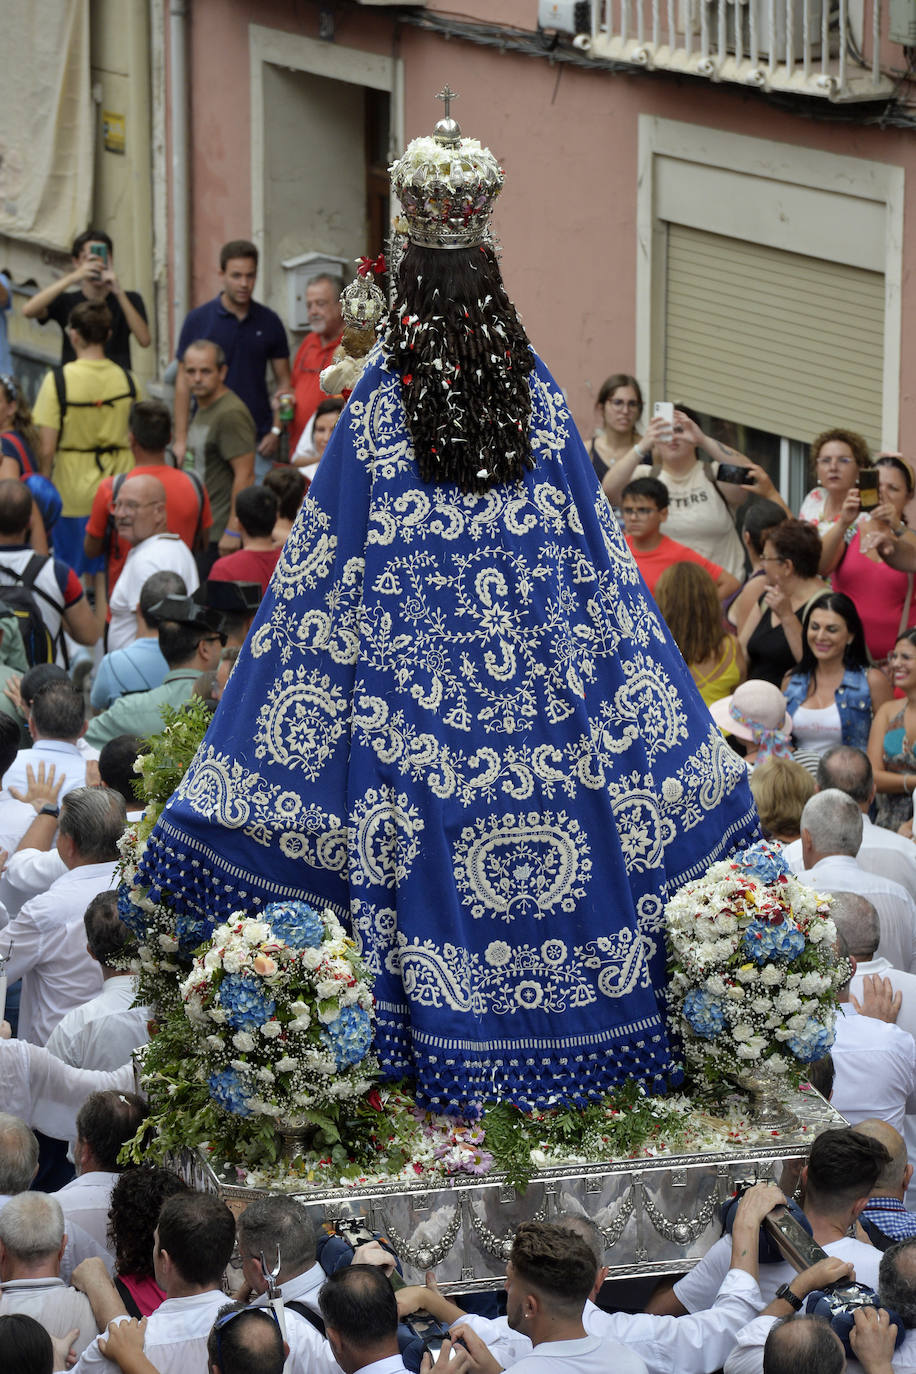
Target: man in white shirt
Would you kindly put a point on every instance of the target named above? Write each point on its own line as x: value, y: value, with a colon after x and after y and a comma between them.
x: 831, y: 836
x: 104, y: 1032
x: 18, y: 1167
x: 281, y: 1222
x: 882, y: 851
x: 36, y: 863
x: 192, y: 1246
x: 45, y: 945
x: 57, y: 720
x: 857, y: 920
x: 141, y: 521
x: 361, y: 1319
x: 871, y: 1338
x: 104, y: 1124
x: 874, y: 1062
x: 32, y: 1243
x: 684, y: 1345
x: 840, y: 1174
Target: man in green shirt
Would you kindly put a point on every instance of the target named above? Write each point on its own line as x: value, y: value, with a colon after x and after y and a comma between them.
x: 221, y: 443
x: 191, y: 638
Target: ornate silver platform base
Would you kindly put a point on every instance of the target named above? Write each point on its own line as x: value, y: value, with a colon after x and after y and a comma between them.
x: 658, y: 1215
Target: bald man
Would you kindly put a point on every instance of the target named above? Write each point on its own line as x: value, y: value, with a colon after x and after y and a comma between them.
x: 141, y: 520
x: 885, y: 1209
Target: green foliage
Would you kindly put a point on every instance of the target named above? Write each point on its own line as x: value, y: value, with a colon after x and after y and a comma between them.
x: 168, y: 755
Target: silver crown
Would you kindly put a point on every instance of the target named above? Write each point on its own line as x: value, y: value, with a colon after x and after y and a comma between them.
x: 447, y: 185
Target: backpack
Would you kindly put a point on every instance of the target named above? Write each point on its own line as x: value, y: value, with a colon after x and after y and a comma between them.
x: 60, y: 386
x: 22, y: 600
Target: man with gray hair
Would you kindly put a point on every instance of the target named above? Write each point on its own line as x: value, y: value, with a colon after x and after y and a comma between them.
x: 18, y: 1157
x: 882, y: 851
x: 46, y: 943
x: 831, y: 834
x: 32, y: 1242
x: 280, y: 1222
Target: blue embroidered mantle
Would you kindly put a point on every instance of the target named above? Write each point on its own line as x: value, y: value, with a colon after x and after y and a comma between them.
x: 460, y: 722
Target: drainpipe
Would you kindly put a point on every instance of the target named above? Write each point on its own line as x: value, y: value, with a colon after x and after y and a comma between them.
x: 178, y: 100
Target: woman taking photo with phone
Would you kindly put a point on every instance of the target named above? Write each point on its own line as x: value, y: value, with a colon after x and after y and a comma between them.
x: 883, y: 597
x: 837, y: 458
x: 834, y: 693
x: 700, y: 509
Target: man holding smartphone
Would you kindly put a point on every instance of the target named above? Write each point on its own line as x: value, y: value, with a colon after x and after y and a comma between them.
x: 93, y: 278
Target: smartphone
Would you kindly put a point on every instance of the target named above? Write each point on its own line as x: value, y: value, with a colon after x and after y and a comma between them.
x: 664, y: 410
x: 733, y: 472
x: 868, y: 488
x: 100, y: 251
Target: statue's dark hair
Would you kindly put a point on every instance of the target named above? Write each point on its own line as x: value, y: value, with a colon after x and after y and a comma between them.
x: 463, y: 357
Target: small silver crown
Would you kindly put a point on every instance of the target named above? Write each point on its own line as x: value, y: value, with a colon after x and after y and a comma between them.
x: 447, y: 185
x: 362, y: 303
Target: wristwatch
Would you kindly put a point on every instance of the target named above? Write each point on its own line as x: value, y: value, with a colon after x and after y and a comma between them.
x: 275, y: 429
x: 50, y: 811
x: 784, y: 1292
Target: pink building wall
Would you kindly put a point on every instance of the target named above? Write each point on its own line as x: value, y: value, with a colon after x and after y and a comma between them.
x: 568, y: 139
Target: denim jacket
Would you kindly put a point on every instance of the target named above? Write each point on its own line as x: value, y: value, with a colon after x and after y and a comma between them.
x: 853, y: 698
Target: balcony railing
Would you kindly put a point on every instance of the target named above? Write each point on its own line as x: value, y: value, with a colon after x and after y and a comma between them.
x: 831, y: 49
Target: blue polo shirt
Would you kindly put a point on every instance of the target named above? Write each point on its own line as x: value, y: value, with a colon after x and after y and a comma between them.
x: 249, y: 345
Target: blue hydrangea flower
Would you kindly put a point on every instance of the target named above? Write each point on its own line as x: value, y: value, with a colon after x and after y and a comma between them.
x: 133, y: 916
x: 296, y: 923
x: 704, y: 1013
x: 191, y: 932
x: 226, y: 1089
x: 763, y: 862
x: 245, y: 1001
x: 349, y: 1037
x: 763, y: 941
x: 812, y: 1042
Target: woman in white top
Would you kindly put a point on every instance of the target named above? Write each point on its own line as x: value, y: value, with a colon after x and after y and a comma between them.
x: 837, y: 457
x: 700, y: 509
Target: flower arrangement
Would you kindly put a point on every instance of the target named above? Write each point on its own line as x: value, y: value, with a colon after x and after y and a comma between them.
x: 753, y: 970
x: 273, y: 1025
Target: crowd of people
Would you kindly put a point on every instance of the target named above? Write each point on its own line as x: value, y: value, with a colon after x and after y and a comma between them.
x: 136, y: 543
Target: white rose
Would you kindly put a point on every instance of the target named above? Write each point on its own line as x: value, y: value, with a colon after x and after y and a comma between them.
x: 736, y: 992
x: 266, y: 1075
x: 742, y: 1032
x: 747, y: 975
x: 168, y: 943
x: 243, y: 1041
x: 271, y: 1029
x: 326, y: 987
x: 301, y: 1023
x: 255, y: 932
x: 788, y: 1002
x: 327, y: 1016
x: 298, y: 1008
x: 231, y: 961
x: 746, y: 1052
x: 771, y: 976
x: 212, y: 959
x: 311, y: 958
x: 216, y: 1042
x: 218, y: 1015
x: 285, y: 1065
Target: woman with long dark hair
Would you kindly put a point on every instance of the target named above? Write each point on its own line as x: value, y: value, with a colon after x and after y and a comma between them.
x: 833, y: 693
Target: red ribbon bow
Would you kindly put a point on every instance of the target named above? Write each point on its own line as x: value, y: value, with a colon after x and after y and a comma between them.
x: 374, y: 265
